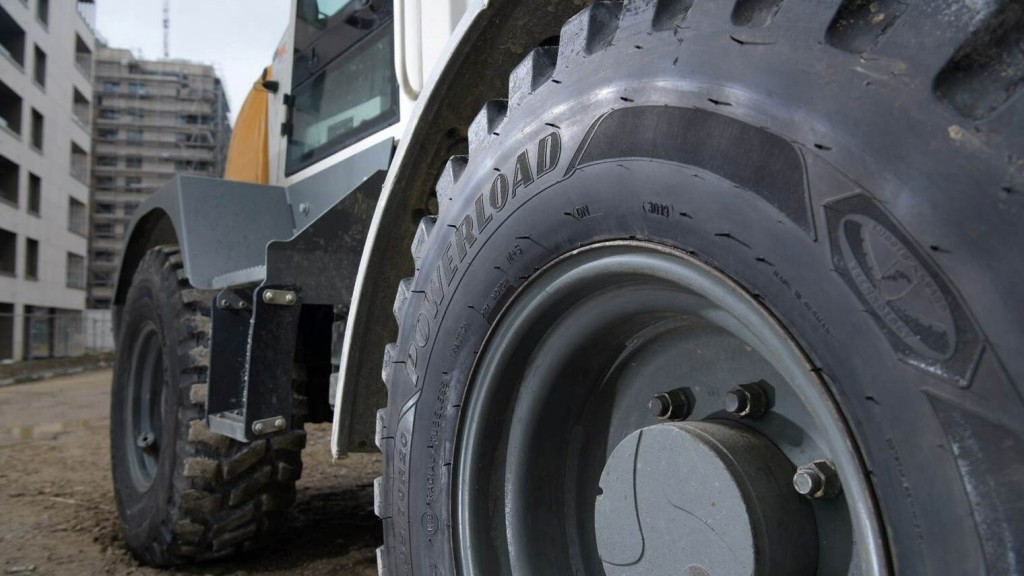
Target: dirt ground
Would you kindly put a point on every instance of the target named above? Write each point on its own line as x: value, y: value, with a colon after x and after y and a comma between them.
x: 57, y: 512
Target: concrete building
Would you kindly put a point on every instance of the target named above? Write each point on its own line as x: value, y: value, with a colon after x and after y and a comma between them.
x: 153, y: 119
x: 46, y: 68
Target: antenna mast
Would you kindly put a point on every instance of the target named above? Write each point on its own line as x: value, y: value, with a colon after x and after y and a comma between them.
x: 167, y: 29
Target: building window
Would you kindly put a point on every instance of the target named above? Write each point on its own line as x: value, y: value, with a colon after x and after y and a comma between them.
x: 78, y: 217
x: 43, y: 11
x: 103, y: 230
x: 9, y: 176
x: 102, y: 279
x: 111, y: 87
x: 137, y: 88
x: 130, y: 207
x: 80, y: 107
x: 79, y: 162
x: 107, y: 161
x: 134, y: 135
x: 107, y: 133
x: 135, y: 114
x: 8, y: 252
x: 6, y: 331
x: 10, y: 109
x: 133, y: 182
x: 31, y: 259
x: 105, y: 208
x: 103, y: 256
x: 76, y: 271
x: 83, y: 56
x: 39, y: 67
x: 105, y: 182
x: 109, y: 114
x: 37, y: 130
x: 35, y: 194
x: 133, y: 162
x: 12, y: 39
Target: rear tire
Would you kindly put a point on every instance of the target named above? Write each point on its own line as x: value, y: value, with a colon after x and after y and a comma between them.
x: 855, y: 172
x: 183, y: 493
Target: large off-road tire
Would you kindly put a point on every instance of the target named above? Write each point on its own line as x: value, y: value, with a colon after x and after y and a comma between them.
x: 184, y: 493
x: 818, y: 199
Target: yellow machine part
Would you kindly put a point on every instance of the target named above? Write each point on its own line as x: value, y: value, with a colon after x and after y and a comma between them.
x: 248, y: 157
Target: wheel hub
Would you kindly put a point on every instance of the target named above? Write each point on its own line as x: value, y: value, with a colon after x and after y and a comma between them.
x: 710, y: 498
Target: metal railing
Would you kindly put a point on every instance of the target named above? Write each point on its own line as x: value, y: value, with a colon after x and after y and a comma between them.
x: 62, y: 334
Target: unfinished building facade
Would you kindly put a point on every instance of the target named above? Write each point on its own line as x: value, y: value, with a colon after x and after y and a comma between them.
x: 153, y: 119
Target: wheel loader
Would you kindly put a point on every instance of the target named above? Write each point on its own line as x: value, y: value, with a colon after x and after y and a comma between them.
x: 701, y: 287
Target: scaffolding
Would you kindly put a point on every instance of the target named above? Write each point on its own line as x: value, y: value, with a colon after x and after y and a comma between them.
x: 153, y: 119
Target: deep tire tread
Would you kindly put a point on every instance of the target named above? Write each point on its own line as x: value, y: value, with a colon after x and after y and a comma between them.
x: 221, y: 487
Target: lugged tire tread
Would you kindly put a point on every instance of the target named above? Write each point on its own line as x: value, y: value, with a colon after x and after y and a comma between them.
x: 220, y: 486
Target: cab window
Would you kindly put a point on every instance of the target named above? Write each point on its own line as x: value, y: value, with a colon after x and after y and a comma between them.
x: 343, y: 77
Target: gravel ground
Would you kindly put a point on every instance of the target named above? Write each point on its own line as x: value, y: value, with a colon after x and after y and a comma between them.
x: 57, y: 512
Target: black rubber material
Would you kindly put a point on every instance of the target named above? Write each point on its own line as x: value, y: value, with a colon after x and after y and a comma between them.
x: 829, y: 158
x: 211, y: 496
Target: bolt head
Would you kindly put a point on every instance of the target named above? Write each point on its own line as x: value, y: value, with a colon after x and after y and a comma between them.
x: 671, y: 405
x: 747, y: 401
x: 304, y: 208
x: 660, y: 406
x: 145, y: 441
x: 268, y: 296
x: 224, y: 303
x: 279, y: 423
x: 258, y: 427
x: 818, y: 480
x: 289, y: 298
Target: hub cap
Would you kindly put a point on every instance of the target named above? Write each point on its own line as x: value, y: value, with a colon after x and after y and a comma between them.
x: 714, y: 497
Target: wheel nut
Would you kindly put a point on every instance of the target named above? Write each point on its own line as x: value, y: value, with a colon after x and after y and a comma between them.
x: 817, y: 480
x: 747, y: 401
x: 145, y: 441
x: 672, y: 405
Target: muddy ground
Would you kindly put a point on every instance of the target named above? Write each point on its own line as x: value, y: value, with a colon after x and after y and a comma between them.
x: 57, y: 511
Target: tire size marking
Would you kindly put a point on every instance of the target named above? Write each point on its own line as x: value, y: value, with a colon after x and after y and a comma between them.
x: 434, y: 458
x: 801, y: 298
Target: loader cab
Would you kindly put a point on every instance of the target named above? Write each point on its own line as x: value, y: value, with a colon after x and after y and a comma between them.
x: 348, y: 73
x: 343, y: 83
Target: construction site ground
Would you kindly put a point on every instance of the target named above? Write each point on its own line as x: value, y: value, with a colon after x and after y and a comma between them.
x: 57, y: 513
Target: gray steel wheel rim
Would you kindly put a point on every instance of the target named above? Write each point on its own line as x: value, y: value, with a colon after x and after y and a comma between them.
x: 145, y: 405
x: 490, y: 473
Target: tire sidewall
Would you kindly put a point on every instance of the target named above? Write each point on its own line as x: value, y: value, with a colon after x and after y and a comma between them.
x: 792, y: 272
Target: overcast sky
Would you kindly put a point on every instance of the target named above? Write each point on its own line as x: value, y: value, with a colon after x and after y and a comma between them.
x: 237, y: 36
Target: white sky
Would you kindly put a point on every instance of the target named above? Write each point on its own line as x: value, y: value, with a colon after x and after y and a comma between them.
x: 237, y: 36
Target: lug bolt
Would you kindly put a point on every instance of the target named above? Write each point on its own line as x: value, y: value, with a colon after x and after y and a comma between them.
x: 747, y: 401
x: 671, y: 405
x: 817, y: 480
x: 268, y: 296
x: 146, y: 441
